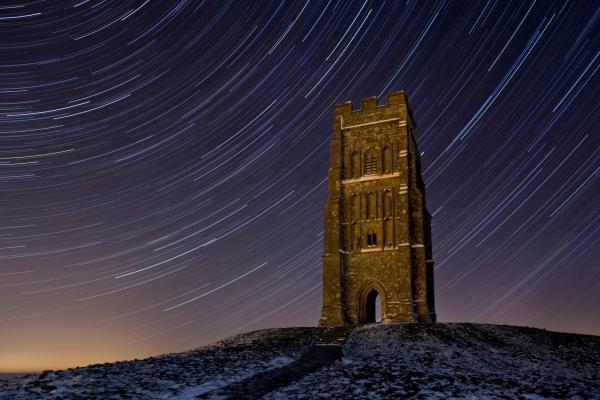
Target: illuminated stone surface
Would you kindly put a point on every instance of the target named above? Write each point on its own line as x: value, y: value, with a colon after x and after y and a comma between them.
x: 377, y: 230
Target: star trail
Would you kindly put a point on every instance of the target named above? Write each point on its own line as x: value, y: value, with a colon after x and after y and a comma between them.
x: 163, y: 164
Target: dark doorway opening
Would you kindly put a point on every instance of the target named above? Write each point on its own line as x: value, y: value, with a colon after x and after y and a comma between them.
x: 373, y: 307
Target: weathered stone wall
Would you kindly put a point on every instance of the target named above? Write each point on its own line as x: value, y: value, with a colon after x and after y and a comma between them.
x: 377, y: 231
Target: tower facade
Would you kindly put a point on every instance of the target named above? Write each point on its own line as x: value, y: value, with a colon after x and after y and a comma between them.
x: 377, y: 230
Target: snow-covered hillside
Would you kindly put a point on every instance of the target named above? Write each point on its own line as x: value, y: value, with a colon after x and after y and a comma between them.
x: 471, y: 361
x: 178, y: 375
x: 379, y: 362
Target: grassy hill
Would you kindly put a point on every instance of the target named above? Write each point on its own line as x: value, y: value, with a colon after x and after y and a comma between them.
x: 379, y: 362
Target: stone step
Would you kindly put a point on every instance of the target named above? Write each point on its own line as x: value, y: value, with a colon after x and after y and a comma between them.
x: 335, y: 335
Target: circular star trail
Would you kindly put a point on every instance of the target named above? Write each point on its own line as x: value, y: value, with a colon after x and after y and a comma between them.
x: 163, y: 164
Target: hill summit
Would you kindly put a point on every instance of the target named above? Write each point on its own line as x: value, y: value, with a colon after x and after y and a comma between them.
x: 376, y: 361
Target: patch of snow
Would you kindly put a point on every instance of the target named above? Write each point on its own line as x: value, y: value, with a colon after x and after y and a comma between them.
x: 390, y: 361
x: 467, y: 361
x: 171, y: 376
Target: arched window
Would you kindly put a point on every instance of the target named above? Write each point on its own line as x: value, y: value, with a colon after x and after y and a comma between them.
x: 387, y: 160
x: 371, y: 205
x: 355, y: 165
x: 370, y: 162
x: 388, y: 232
x: 387, y: 203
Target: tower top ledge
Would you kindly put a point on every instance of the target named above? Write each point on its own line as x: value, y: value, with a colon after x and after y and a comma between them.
x: 396, y: 105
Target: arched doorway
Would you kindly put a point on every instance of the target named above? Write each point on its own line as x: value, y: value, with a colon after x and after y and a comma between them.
x: 373, y: 307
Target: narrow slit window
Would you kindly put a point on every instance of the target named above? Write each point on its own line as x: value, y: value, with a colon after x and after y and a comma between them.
x: 371, y: 239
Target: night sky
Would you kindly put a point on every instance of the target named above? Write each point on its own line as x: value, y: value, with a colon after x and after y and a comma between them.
x: 163, y: 164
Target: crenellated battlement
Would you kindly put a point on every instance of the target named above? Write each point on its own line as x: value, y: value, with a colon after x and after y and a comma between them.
x: 370, y: 104
x: 396, y: 106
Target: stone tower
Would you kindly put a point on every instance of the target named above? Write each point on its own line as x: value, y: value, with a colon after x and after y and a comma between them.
x: 377, y: 230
